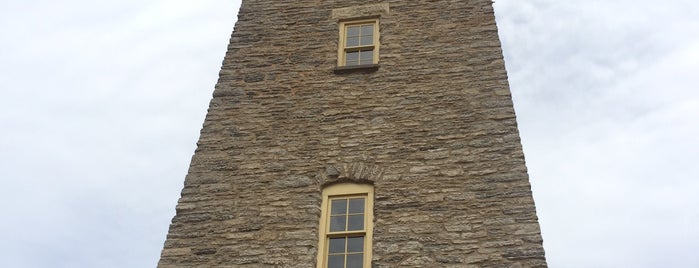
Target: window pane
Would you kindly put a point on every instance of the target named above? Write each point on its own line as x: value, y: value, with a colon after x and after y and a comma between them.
x: 368, y: 30
x: 337, y: 245
x: 355, y: 244
x: 338, y: 207
x: 336, y: 261
x: 355, y: 260
x: 337, y: 223
x: 357, y: 205
x: 352, y: 58
x: 352, y: 41
x: 367, y: 35
x: 353, y: 31
x: 367, y: 40
x: 366, y: 57
x: 356, y: 222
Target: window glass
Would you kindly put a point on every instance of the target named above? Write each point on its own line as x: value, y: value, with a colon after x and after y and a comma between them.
x: 356, y: 205
x: 352, y: 41
x: 367, y: 35
x: 355, y: 260
x: 368, y: 30
x: 355, y: 222
x: 352, y: 58
x: 337, y: 245
x: 338, y: 223
x: 336, y: 261
x: 355, y: 244
x: 353, y: 31
x: 366, y: 57
x: 338, y: 207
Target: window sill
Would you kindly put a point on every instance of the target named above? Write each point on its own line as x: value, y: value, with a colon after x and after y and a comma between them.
x: 356, y: 68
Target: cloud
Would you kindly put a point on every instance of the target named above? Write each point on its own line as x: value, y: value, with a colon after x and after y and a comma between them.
x: 101, y: 108
x: 605, y: 100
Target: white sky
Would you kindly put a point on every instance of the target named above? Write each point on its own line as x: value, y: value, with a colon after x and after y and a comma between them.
x: 101, y: 103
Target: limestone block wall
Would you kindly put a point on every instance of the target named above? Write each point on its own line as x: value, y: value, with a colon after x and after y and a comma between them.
x: 433, y: 129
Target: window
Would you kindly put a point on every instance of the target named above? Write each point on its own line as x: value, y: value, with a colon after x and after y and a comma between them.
x: 346, y: 226
x: 359, y: 43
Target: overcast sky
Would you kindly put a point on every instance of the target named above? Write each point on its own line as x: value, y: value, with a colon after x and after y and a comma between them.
x: 101, y: 103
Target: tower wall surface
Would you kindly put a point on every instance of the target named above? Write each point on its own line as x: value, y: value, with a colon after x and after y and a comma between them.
x: 433, y: 129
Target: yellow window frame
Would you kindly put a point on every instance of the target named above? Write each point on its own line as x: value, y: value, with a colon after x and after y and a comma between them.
x: 341, y: 191
x: 342, y: 45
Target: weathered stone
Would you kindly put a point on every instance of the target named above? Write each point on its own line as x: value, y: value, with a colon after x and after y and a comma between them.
x: 431, y: 127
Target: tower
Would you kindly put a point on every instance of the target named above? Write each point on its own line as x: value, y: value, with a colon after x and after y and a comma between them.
x: 375, y: 133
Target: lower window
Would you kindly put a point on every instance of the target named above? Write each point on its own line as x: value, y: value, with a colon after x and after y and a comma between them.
x: 346, y: 226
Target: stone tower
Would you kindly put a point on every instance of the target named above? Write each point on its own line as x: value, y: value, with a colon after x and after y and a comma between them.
x: 373, y: 133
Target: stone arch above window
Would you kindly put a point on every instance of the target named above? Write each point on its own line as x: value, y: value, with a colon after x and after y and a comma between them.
x: 351, y: 172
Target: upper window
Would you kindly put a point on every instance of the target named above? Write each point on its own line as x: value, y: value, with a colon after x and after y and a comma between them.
x: 346, y: 226
x: 359, y: 43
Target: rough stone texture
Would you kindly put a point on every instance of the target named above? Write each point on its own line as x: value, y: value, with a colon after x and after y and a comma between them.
x: 433, y: 129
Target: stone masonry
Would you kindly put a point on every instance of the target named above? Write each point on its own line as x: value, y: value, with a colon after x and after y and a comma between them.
x: 433, y: 129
